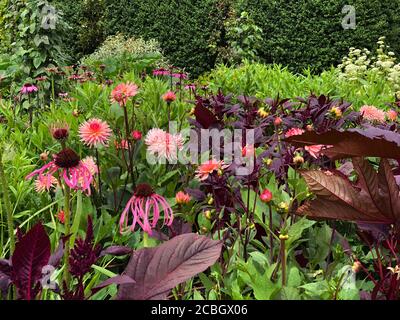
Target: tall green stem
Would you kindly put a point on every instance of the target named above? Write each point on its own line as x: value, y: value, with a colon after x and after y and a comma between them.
x: 128, y: 140
x: 67, y: 215
x: 7, y: 204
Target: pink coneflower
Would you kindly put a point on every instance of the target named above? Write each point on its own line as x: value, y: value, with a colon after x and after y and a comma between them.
x: 95, y: 132
x: 392, y: 115
x: 209, y: 167
x: 45, y: 183
x: 75, y: 77
x: 294, y: 132
x: 190, y: 86
x: 123, y: 92
x: 41, y: 78
x: 70, y: 168
x: 136, y: 135
x: 182, y: 198
x: 144, y: 204
x: 180, y: 76
x: 372, y: 113
x: 28, y: 88
x: 164, y: 145
x: 169, y: 97
x: 161, y: 72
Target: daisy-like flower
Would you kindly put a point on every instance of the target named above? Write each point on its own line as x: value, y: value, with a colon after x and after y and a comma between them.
x: 294, y: 132
x: 164, y: 145
x: 61, y: 216
x: 70, y: 168
x: 123, y: 92
x: 28, y: 88
x: 90, y: 163
x: 169, y: 97
x: 95, y: 132
x: 392, y: 115
x: 372, y: 113
x: 146, y: 207
x: 315, y: 150
x: 45, y: 183
x: 182, y: 198
x: 209, y: 167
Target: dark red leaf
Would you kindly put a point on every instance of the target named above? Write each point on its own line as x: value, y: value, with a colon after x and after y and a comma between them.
x: 158, y: 270
x: 116, y: 251
x: 31, y: 253
x: 371, y: 142
x: 204, y: 116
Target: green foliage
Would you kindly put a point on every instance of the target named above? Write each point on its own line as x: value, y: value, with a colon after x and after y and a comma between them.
x: 262, y: 81
x: 34, y: 30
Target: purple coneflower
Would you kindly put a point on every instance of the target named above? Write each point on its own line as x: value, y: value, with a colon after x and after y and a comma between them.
x: 161, y: 72
x: 71, y: 169
x: 143, y: 204
x: 28, y: 88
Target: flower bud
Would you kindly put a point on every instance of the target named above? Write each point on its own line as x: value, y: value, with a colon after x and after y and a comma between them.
x: 298, y: 160
x: 278, y: 121
x: 266, y: 196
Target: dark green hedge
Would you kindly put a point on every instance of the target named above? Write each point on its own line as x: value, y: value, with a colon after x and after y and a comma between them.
x: 302, y: 33
x: 297, y: 33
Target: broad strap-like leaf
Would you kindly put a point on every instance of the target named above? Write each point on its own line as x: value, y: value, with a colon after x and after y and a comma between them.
x: 338, y: 199
x: 389, y: 190
x: 158, y: 270
x: 370, y: 142
x: 31, y: 254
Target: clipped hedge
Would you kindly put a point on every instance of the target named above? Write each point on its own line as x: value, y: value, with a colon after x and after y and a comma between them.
x: 303, y: 33
x: 297, y: 33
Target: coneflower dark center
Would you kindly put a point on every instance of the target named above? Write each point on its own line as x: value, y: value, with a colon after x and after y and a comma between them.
x: 67, y: 158
x: 143, y: 190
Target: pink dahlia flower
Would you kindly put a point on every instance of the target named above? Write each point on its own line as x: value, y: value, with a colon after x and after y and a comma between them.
x: 70, y: 168
x: 123, y: 92
x: 28, y: 88
x: 90, y: 163
x: 294, y: 132
x: 164, y: 145
x: 372, y: 113
x: 208, y: 167
x: 182, y: 198
x: 392, y: 115
x: 169, y: 97
x: 45, y: 183
x: 95, y: 132
x: 146, y: 207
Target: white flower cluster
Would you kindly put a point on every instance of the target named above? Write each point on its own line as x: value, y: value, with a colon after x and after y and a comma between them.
x: 360, y: 64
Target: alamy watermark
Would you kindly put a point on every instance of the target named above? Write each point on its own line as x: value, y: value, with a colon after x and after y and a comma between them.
x: 349, y: 20
x: 234, y: 146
